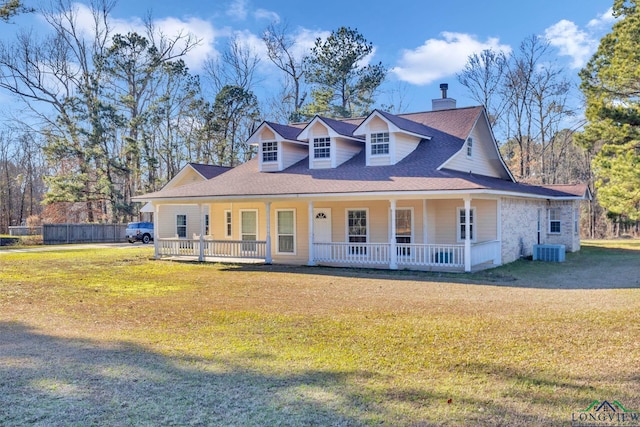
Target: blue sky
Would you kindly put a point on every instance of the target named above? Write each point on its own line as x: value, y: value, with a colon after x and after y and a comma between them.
x: 424, y: 43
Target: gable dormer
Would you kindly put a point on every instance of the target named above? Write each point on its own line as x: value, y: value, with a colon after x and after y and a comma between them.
x: 479, y: 154
x: 390, y: 138
x: 331, y: 142
x: 278, y: 147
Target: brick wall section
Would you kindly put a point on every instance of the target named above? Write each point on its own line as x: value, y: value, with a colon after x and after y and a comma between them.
x: 520, y: 226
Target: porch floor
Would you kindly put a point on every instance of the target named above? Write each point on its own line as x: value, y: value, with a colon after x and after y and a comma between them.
x: 222, y: 260
x: 258, y: 261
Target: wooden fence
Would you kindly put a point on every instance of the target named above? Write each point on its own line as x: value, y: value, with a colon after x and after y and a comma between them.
x: 55, y: 234
x: 25, y: 231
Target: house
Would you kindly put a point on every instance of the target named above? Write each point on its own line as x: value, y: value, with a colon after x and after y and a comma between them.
x: 426, y: 191
x: 190, y: 173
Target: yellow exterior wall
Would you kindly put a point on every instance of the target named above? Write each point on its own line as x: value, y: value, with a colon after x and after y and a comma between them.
x: 441, y: 221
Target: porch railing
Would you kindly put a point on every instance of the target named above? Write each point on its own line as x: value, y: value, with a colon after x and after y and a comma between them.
x: 351, y: 253
x: 431, y: 255
x: 485, y: 252
x: 213, y: 248
x: 379, y: 253
x: 235, y: 248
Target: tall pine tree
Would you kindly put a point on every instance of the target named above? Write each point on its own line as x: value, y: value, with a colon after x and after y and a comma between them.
x: 611, y: 84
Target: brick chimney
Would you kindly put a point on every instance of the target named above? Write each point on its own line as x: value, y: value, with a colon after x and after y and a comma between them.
x: 443, y: 103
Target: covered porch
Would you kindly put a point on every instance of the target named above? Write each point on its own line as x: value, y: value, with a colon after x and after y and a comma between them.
x: 428, y: 234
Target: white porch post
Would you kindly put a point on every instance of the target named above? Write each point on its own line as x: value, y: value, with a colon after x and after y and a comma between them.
x: 311, y: 261
x: 498, y: 259
x: 268, y: 258
x: 201, y: 254
x: 156, y: 230
x: 425, y: 234
x: 393, y: 256
x: 467, y: 234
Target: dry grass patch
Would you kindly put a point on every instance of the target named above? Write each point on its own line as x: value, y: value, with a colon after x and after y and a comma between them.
x: 112, y: 337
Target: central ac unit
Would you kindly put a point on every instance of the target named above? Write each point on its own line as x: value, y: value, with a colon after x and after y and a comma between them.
x: 552, y: 253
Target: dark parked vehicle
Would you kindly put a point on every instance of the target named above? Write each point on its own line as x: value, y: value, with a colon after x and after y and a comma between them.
x: 139, y: 231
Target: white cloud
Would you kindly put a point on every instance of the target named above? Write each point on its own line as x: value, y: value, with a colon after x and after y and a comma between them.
x: 305, y: 39
x: 196, y: 28
x: 252, y: 43
x: 576, y: 43
x: 268, y: 15
x: 571, y: 41
x: 169, y: 27
x: 438, y: 58
x: 605, y: 19
x: 238, y: 10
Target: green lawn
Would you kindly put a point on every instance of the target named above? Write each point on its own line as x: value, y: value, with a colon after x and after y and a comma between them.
x: 112, y: 337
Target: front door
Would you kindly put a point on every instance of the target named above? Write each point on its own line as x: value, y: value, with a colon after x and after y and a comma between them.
x: 322, y: 225
x: 322, y: 231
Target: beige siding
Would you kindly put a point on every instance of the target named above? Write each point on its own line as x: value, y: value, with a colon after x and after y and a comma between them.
x: 292, y: 153
x: 404, y: 145
x: 302, y: 234
x: 267, y: 135
x: 443, y: 220
x: 190, y: 176
x: 345, y: 150
x: 484, y: 159
x: 378, y: 125
x: 165, y: 223
x: 379, y: 160
x: 270, y: 167
x: 321, y: 164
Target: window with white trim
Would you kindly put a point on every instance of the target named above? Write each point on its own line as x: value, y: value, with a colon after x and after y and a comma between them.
x: 286, y: 229
x: 269, y: 151
x: 462, y: 223
x: 379, y: 143
x: 469, y: 147
x: 576, y: 220
x: 228, y: 230
x: 249, y: 229
x: 404, y: 230
x: 181, y: 226
x: 357, y: 231
x: 322, y: 148
x: 554, y: 221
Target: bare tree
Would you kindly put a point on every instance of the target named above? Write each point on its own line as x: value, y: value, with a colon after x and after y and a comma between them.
x: 281, y: 45
x: 483, y: 76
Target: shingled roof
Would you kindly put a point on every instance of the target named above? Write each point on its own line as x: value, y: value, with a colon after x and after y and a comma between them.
x: 417, y: 172
x: 209, y: 171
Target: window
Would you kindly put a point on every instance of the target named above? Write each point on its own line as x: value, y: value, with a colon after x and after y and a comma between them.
x: 206, y: 224
x: 379, y: 143
x: 469, y: 146
x: 576, y: 220
x: 321, y: 148
x: 249, y: 229
x: 181, y: 225
x: 270, y: 151
x: 357, y: 230
x: 462, y: 222
x: 286, y: 225
x: 403, y: 230
x: 227, y: 224
x: 554, y: 221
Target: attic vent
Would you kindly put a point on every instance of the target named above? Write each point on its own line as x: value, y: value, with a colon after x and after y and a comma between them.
x: 551, y: 253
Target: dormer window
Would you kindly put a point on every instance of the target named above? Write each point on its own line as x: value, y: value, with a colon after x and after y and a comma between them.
x: 269, y: 151
x: 469, y: 146
x: 322, y: 148
x: 379, y: 143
